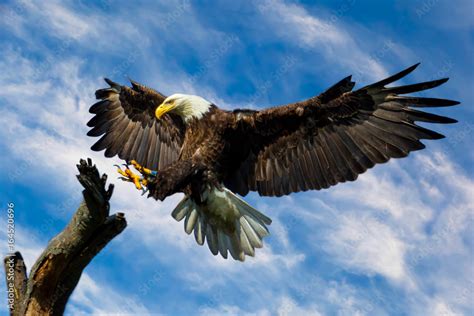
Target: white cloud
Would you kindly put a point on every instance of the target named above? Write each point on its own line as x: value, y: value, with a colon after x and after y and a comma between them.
x: 284, y: 306
x: 92, y: 298
x: 370, y: 246
x: 440, y: 308
x: 390, y: 190
x: 63, y: 21
x: 25, y: 241
x: 288, y: 307
x: 422, y: 212
x: 228, y: 310
x: 327, y: 36
x: 50, y: 118
x: 71, y: 23
x: 397, y: 235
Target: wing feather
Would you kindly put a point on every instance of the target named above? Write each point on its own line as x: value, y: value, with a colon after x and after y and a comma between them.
x: 124, y: 117
x: 336, y: 136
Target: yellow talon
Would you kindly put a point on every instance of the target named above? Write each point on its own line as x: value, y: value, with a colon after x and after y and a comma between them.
x: 123, y: 173
x: 140, y: 181
x: 140, y: 168
x: 132, y: 177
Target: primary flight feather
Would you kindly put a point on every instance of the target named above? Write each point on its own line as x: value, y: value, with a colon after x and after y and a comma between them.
x: 184, y: 143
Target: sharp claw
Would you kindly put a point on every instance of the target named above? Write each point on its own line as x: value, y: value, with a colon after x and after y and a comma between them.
x: 143, y: 170
x: 123, y: 173
x: 128, y: 176
x: 137, y: 183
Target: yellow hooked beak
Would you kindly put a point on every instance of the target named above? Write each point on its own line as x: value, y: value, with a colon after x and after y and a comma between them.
x: 162, y: 109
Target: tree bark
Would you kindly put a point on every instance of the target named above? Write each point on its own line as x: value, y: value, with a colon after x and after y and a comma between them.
x: 58, y: 269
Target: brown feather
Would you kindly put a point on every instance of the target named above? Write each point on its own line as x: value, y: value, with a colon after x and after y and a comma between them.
x: 126, y: 117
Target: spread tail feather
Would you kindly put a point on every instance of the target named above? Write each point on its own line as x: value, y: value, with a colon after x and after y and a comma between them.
x: 226, y: 221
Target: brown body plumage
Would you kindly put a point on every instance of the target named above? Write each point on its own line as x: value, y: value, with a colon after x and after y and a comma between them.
x: 308, y: 145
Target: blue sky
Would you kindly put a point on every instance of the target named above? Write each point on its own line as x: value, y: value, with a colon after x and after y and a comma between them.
x: 398, y: 241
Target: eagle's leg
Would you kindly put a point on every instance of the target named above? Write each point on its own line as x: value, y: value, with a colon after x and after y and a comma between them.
x: 144, y: 171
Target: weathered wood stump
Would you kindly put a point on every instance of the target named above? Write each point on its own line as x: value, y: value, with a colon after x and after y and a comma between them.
x: 57, y: 271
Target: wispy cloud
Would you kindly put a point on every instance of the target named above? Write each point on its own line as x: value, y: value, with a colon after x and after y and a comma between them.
x: 326, y: 36
x: 401, y: 231
x: 368, y: 245
x: 92, y: 298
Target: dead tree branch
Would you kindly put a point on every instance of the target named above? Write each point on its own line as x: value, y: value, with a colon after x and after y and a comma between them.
x: 58, y: 269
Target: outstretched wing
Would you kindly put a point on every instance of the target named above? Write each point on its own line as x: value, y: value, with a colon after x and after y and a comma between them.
x: 334, y: 137
x: 125, y: 117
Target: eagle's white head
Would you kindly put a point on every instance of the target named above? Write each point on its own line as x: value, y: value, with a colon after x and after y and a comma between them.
x: 184, y: 105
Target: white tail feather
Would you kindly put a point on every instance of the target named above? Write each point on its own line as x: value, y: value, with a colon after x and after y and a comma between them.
x: 228, y: 223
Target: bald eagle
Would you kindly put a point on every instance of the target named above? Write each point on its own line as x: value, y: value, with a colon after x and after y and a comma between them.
x: 184, y: 143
